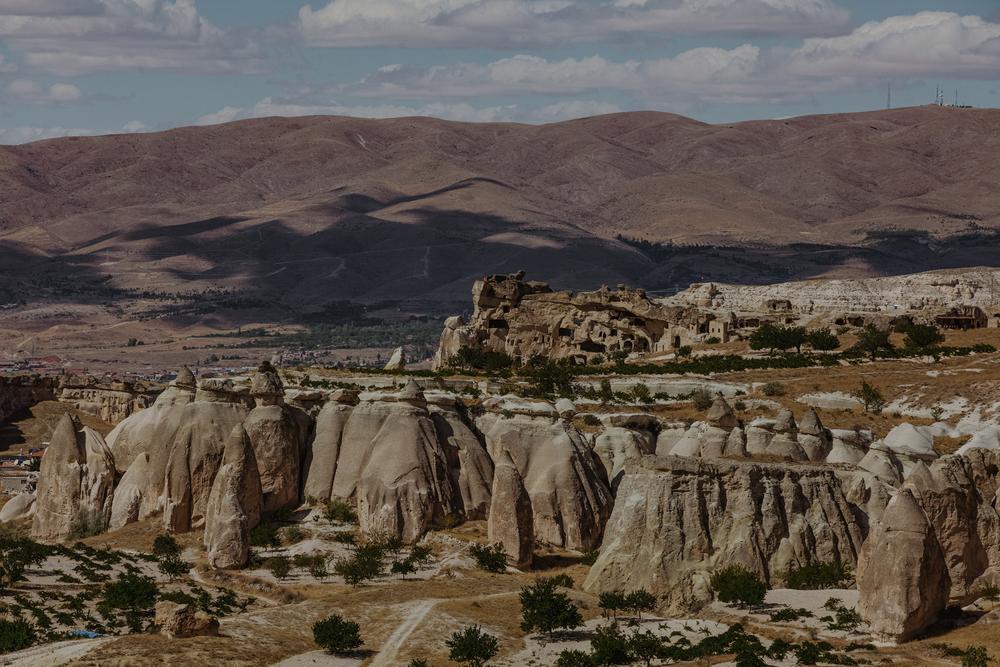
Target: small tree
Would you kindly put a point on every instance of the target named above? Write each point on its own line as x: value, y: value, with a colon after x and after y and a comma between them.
x: 922, y: 336
x: 738, y: 585
x: 280, y: 567
x: 975, y: 656
x: 822, y: 340
x: 490, y: 558
x: 608, y: 646
x: 640, y: 601
x: 611, y: 602
x: 337, y: 635
x: 471, y: 646
x: 574, y: 658
x: 340, y: 511
x: 871, y: 398
x: 15, y: 635
x: 873, y: 340
x: 546, y: 609
x: 173, y: 567
x: 645, y: 646
x: 132, y: 593
x: 165, y: 545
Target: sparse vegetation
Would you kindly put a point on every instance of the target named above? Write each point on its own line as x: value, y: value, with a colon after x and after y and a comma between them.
x: 870, y: 397
x: 816, y: 576
x: 491, y: 558
x: 339, y: 511
x: 546, y: 609
x: 472, y: 647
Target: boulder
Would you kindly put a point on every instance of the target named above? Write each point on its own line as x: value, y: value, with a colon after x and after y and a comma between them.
x: 234, y: 504
x: 75, y: 483
x: 397, y: 361
x: 721, y: 415
x: 510, y: 520
x: 903, y: 582
x: 814, y: 439
x: 127, y: 501
x: 21, y: 506
x: 177, y: 621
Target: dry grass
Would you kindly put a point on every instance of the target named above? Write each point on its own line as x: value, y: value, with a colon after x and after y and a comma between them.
x: 33, y: 426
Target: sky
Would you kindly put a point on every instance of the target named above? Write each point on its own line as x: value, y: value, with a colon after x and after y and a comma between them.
x: 106, y: 66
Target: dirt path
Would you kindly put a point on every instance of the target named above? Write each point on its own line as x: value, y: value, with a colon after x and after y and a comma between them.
x: 387, y: 655
x: 57, y: 653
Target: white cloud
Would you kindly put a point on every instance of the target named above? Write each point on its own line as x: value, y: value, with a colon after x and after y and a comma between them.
x: 698, y: 69
x: 511, y: 23
x: 25, y: 134
x: 30, y: 92
x: 82, y: 36
x: 271, y: 107
x: 923, y: 44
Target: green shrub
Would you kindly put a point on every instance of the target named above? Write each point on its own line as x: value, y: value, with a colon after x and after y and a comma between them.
x: 337, y: 635
x: 788, y: 614
x: 165, y: 545
x: 713, y: 340
x: 975, y: 656
x: 817, y: 576
x: 822, y: 340
x: 173, y: 567
x: 609, y: 646
x: 490, y: 558
x: 265, y: 535
x: 340, y: 511
x: 590, y: 557
x: 870, y: 397
x: 471, y: 646
x: 922, y: 336
x: 684, y: 351
x: 773, y: 389
x: 292, y: 535
x: 574, y: 658
x: 16, y: 635
x: 279, y: 566
x: 701, y: 398
x: 133, y: 594
x: 736, y: 584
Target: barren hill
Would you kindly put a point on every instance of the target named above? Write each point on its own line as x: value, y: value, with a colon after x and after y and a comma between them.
x: 312, y: 210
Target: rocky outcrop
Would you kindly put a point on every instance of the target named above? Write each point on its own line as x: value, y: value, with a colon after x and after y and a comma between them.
x: 525, y: 318
x: 510, y: 521
x: 470, y: 467
x: 677, y: 518
x: 21, y: 506
x: 278, y: 440
x: 323, y: 452
x: 903, y: 581
x: 616, y: 446
x: 127, y: 501
x: 234, y: 504
x: 816, y: 440
x: 18, y: 392
x: 404, y: 486
x: 177, y: 621
x: 397, y: 361
x: 75, y: 483
x: 570, y: 496
x: 110, y: 401
x: 195, y: 453
x: 152, y: 430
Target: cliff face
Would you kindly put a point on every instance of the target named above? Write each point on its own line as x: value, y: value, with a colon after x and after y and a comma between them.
x: 677, y: 518
x: 523, y: 319
x: 22, y: 391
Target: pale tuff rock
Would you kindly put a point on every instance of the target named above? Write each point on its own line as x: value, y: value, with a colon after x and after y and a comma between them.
x: 75, y: 483
x: 675, y: 519
x: 721, y: 415
x: 404, y: 485
x: 397, y: 361
x: 736, y: 444
x: 759, y: 433
x: 21, y: 506
x: 902, y: 577
x: 127, y: 502
x: 322, y: 455
x: 196, y: 453
x: 277, y: 439
x: 669, y: 435
x: 470, y: 466
x: 177, y: 621
x: 616, y: 446
x: 510, y: 519
x: 957, y: 494
x: 566, y: 408
x: 910, y: 444
x: 880, y: 462
x: 784, y: 443
x: 848, y: 446
x: 151, y: 430
x: 815, y: 440
x: 234, y: 504
x: 570, y: 496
